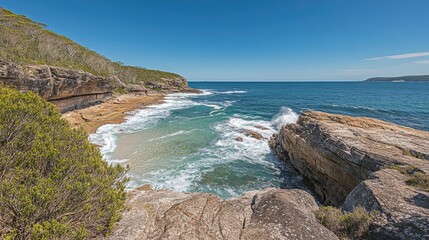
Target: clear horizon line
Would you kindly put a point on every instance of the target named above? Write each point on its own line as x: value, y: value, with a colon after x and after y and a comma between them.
x: 214, y: 80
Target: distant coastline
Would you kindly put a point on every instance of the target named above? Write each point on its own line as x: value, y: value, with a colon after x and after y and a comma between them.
x: 417, y: 78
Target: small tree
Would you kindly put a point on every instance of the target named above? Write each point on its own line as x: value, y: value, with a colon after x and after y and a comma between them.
x: 53, y: 181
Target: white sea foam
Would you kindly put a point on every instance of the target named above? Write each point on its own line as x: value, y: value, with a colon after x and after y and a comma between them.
x: 186, y: 171
x: 285, y: 116
x: 232, y: 92
x: 215, y: 107
x: 223, y: 151
x: 105, y: 136
x: 181, y: 132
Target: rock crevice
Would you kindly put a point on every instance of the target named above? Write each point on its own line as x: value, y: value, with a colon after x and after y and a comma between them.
x: 265, y: 214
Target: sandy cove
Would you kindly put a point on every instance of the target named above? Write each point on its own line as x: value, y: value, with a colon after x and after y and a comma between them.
x: 112, y: 111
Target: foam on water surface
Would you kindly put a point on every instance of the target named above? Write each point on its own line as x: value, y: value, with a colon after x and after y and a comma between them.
x: 188, y: 143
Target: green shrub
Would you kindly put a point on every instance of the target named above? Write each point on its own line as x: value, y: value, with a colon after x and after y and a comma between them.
x: 25, y: 41
x: 353, y: 225
x: 416, y: 177
x: 121, y: 91
x: 54, y: 183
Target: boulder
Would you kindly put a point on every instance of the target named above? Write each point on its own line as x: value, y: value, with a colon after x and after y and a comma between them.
x: 404, y: 209
x: 285, y: 214
x: 262, y: 128
x: 239, y: 139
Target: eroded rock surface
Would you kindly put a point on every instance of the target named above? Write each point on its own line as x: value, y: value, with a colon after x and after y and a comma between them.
x: 266, y: 214
x: 68, y: 89
x: 404, y: 210
x: 72, y: 89
x: 337, y: 152
x: 353, y: 157
x: 253, y: 134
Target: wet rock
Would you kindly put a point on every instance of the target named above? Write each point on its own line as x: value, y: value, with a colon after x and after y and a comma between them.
x: 262, y: 128
x: 239, y: 139
x: 253, y: 134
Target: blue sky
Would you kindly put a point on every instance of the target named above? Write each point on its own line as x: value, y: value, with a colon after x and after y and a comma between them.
x: 248, y: 40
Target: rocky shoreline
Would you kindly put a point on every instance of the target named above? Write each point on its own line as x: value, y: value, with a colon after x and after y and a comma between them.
x: 351, y: 162
x: 362, y: 162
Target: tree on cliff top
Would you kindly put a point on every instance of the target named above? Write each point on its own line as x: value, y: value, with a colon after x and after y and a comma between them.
x: 54, y: 183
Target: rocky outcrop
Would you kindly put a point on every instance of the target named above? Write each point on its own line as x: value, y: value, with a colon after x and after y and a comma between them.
x: 348, y: 159
x: 68, y: 89
x: 404, y: 209
x: 170, y: 85
x: 337, y: 152
x: 72, y: 89
x: 266, y: 214
x: 253, y: 134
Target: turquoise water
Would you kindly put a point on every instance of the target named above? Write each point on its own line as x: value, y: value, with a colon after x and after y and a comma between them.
x: 188, y: 143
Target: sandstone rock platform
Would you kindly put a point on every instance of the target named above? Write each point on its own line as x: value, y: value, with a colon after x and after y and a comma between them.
x: 265, y: 214
x: 354, y: 162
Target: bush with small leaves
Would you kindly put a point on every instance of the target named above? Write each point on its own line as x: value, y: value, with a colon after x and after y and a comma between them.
x: 346, y: 225
x: 54, y: 183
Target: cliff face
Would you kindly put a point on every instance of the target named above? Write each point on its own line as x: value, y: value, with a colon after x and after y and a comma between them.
x: 68, y: 89
x: 72, y: 89
x: 266, y: 214
x: 350, y: 158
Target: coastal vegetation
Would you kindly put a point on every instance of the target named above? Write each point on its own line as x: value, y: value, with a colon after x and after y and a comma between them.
x: 54, y: 183
x: 416, y: 177
x: 27, y: 42
x: 346, y: 225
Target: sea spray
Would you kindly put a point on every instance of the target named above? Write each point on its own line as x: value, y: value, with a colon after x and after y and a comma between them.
x: 285, y: 116
x: 188, y: 143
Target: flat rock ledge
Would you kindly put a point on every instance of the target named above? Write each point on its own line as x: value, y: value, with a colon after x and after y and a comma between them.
x: 352, y: 161
x: 266, y: 214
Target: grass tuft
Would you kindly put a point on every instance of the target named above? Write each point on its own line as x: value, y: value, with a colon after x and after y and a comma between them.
x: 416, y: 177
x: 346, y: 225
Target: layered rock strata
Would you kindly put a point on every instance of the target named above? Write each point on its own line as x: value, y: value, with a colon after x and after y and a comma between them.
x: 349, y: 161
x: 72, y: 89
x: 266, y: 214
x: 337, y: 152
x: 68, y: 89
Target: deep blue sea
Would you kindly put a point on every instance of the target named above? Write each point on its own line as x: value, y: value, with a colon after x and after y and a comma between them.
x: 188, y: 143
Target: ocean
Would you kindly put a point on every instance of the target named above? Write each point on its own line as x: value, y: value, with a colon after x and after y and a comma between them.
x: 188, y: 143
